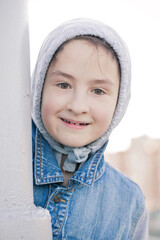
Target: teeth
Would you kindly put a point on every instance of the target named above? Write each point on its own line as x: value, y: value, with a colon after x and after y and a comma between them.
x: 67, y: 121
x: 81, y: 124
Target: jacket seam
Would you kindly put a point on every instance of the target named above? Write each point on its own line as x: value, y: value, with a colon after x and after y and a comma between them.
x: 95, y: 158
x: 136, y: 219
x: 51, y: 199
x: 40, y: 175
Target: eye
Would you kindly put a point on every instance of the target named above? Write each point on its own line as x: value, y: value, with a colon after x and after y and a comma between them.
x: 64, y: 85
x: 98, y: 91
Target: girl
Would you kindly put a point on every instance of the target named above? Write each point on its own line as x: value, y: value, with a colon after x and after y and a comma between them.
x: 80, y: 92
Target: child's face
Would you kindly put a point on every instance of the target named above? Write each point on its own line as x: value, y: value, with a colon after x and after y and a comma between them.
x: 80, y: 94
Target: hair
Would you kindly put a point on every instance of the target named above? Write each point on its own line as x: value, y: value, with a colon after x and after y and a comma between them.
x: 96, y: 41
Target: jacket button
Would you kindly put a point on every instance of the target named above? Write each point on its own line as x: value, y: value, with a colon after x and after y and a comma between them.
x: 57, y: 198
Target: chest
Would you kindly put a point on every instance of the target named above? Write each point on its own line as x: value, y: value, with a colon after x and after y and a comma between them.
x: 82, y: 212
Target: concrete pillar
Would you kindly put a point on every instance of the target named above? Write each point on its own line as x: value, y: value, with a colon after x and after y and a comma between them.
x: 19, y: 218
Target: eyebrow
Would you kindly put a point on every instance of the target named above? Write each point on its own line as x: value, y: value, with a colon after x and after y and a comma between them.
x: 95, y: 81
x: 103, y: 81
x: 60, y: 73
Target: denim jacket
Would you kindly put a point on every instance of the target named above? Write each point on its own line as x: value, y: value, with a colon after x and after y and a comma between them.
x: 98, y: 203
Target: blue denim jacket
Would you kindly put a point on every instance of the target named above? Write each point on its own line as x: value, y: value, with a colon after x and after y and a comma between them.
x: 98, y: 203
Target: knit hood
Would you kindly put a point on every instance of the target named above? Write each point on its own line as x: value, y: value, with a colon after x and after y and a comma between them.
x: 55, y: 39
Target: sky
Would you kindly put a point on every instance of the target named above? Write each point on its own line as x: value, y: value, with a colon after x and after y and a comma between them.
x: 138, y: 23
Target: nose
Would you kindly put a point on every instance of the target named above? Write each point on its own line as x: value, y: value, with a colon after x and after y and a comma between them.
x: 78, y: 104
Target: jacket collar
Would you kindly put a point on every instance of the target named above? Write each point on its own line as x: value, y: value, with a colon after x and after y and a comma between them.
x: 47, y: 170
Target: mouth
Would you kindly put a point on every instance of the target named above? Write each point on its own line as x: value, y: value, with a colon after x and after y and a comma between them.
x: 76, y: 123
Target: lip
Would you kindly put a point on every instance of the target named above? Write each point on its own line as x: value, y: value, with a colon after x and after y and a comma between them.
x: 74, y: 124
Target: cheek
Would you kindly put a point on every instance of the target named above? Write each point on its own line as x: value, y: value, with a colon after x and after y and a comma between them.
x: 48, y: 108
x: 104, y: 115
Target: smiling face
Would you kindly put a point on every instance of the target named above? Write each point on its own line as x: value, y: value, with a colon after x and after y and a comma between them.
x: 80, y: 93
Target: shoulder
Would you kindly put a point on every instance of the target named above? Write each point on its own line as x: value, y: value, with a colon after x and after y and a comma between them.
x: 126, y: 195
x: 123, y: 191
x: 122, y: 182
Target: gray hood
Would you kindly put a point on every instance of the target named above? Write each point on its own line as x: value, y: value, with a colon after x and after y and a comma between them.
x: 58, y: 36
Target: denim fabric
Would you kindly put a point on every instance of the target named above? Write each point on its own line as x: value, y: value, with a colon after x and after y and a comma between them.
x: 99, y: 202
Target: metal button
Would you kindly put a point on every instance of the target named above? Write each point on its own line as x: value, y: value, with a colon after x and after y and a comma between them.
x: 57, y: 198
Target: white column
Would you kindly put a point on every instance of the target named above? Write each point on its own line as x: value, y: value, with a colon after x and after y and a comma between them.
x: 19, y: 218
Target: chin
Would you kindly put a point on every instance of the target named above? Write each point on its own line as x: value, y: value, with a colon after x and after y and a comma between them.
x: 74, y: 144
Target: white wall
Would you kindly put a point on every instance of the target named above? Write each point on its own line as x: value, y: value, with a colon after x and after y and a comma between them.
x: 19, y: 218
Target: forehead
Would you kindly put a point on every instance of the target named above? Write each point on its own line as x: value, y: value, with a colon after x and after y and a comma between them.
x: 84, y: 45
x: 96, y: 42
x: 82, y: 55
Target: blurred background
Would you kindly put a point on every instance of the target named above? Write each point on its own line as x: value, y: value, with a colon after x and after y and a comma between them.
x: 134, y: 146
